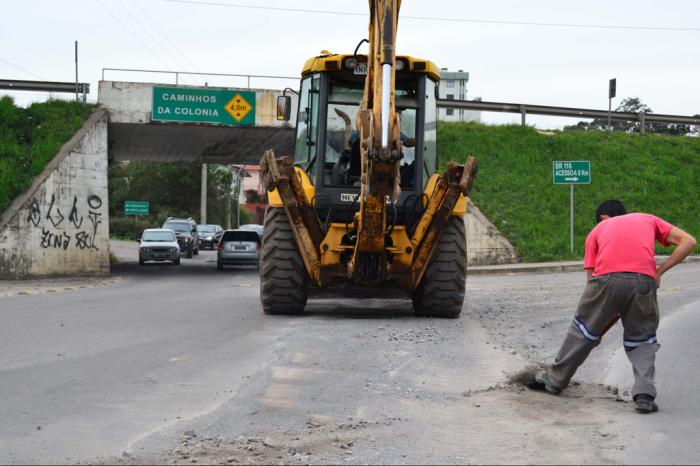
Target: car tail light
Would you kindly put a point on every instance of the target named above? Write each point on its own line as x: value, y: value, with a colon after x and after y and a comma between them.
x: 259, y: 244
x: 221, y: 245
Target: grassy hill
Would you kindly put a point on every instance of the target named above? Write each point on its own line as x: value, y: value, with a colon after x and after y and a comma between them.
x: 30, y: 137
x: 652, y: 173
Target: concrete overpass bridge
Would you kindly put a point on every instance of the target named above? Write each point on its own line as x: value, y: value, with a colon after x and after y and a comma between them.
x: 60, y: 226
x: 153, y: 122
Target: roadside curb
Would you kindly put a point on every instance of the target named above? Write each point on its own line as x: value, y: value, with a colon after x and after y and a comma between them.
x: 544, y: 267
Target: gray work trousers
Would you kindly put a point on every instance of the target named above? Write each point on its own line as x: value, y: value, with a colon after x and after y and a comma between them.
x: 633, y: 296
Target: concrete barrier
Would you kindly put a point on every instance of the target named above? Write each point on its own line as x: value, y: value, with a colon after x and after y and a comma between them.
x: 485, y: 244
x: 60, y: 226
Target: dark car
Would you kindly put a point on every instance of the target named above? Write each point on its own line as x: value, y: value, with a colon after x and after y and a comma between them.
x: 185, y: 230
x: 209, y: 235
x: 238, y: 247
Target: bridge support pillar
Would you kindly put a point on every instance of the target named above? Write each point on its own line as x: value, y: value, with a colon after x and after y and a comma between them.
x: 203, y: 196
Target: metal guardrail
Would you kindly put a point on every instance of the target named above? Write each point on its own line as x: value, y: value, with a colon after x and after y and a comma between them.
x: 177, y: 74
x: 524, y: 109
x: 44, y: 86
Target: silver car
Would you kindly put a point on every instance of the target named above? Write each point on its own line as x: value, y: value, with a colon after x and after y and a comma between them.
x: 238, y: 247
x: 158, y: 245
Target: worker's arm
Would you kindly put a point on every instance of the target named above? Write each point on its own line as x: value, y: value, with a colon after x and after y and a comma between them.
x: 684, y: 243
x: 589, y: 273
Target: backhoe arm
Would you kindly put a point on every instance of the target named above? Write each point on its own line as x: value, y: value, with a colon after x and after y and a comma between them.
x: 380, y: 144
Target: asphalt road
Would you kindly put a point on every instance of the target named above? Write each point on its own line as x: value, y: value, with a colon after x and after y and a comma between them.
x: 120, y: 373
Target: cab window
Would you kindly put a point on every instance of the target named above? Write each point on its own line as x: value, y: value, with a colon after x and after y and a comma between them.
x: 342, y: 148
x: 430, y: 134
x: 307, y: 124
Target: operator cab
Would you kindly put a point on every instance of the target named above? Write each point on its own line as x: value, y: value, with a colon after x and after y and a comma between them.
x: 327, y: 144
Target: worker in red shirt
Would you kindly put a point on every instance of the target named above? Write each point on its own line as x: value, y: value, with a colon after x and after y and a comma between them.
x: 622, y: 281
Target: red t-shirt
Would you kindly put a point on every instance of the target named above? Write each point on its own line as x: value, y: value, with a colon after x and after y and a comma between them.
x: 625, y: 244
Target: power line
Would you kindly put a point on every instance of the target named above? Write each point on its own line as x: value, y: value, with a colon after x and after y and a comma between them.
x: 148, y: 17
x: 452, y: 20
x: 136, y: 38
x: 149, y: 34
x: 22, y: 69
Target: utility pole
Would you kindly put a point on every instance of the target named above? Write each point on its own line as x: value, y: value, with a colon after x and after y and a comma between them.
x: 203, y: 196
x: 76, y: 71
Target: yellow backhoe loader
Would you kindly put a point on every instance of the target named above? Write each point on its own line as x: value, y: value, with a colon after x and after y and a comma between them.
x: 360, y: 204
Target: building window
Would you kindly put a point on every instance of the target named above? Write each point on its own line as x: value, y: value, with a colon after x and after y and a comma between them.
x: 450, y: 97
x: 450, y: 111
x: 449, y: 83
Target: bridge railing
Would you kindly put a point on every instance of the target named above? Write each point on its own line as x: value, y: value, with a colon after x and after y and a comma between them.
x: 177, y: 75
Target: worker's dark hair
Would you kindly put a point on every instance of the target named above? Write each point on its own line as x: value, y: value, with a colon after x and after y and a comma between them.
x: 611, y: 208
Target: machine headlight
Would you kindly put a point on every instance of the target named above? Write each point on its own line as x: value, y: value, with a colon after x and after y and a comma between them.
x: 351, y: 63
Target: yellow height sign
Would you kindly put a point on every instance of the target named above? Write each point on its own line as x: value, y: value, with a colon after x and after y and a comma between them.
x: 203, y: 105
x: 238, y: 107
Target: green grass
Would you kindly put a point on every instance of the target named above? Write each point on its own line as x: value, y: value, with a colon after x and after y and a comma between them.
x: 652, y: 173
x: 30, y: 138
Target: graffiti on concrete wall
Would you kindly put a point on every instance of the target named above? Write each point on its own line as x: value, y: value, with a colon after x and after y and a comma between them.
x: 78, y: 229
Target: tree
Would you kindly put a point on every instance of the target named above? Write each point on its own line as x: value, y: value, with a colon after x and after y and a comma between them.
x: 631, y: 105
x: 171, y: 189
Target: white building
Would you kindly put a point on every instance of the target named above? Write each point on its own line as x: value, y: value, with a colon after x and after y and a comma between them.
x: 453, y: 86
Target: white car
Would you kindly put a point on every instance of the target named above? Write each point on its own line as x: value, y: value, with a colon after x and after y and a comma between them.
x: 160, y: 245
x: 253, y: 227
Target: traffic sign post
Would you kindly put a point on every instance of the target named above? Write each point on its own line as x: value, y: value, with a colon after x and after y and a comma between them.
x: 136, y: 208
x: 203, y: 105
x: 571, y: 173
x: 612, y: 91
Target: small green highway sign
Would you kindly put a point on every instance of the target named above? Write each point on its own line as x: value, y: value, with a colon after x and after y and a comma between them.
x: 571, y: 172
x: 136, y: 208
x: 203, y: 105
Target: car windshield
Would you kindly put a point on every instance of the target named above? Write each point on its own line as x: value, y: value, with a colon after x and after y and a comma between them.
x: 206, y: 228
x: 151, y: 236
x: 246, y: 236
x: 180, y: 227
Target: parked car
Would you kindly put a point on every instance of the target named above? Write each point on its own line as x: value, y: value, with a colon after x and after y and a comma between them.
x: 186, y: 232
x: 238, y: 247
x: 254, y: 227
x: 209, y: 235
x: 158, y: 245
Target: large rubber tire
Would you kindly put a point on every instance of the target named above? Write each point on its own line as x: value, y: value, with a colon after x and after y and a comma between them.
x: 284, y: 282
x: 441, y: 293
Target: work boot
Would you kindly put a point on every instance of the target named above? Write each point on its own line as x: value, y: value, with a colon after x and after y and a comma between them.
x: 542, y: 382
x: 645, y: 404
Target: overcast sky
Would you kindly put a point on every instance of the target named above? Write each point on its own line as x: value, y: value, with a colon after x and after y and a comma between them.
x: 548, y: 65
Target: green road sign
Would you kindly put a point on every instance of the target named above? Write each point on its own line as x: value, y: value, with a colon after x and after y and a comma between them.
x: 136, y: 208
x: 201, y: 105
x: 571, y: 172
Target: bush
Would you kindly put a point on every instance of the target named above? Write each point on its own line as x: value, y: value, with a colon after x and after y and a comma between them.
x: 128, y: 228
x: 30, y: 138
